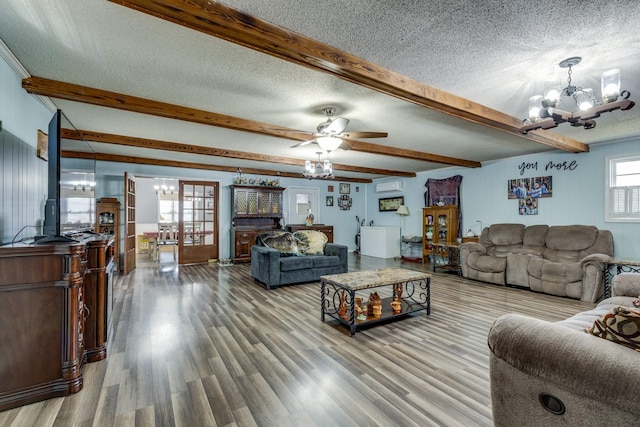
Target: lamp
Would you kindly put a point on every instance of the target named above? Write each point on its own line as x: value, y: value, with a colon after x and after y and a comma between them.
x: 543, y: 111
x: 329, y: 143
x: 164, y: 188
x: 319, y: 169
x: 403, y: 210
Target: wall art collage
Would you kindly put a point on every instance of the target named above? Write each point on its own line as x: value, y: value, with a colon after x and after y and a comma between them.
x: 528, y: 192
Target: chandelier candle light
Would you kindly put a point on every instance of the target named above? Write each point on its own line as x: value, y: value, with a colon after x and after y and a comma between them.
x: 543, y: 111
x: 319, y: 169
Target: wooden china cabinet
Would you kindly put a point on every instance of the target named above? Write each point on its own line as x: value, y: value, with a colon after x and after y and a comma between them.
x: 108, y: 221
x: 439, y: 226
x: 256, y: 210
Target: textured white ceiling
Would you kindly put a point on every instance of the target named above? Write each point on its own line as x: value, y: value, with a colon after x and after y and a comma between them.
x: 491, y: 52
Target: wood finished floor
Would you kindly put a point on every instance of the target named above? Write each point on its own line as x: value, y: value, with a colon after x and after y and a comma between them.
x: 204, y: 345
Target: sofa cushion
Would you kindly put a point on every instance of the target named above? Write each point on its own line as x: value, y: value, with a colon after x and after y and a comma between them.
x: 283, y: 241
x: 325, y: 261
x: 506, y: 234
x: 571, y: 237
x: 310, y: 242
x: 487, y: 263
x: 534, y: 237
x: 621, y: 325
x: 295, y: 263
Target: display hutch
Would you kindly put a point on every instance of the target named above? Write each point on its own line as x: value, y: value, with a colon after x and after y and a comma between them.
x: 108, y: 222
x: 439, y: 227
x: 256, y: 210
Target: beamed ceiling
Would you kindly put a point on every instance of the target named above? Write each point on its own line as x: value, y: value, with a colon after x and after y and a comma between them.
x: 222, y: 86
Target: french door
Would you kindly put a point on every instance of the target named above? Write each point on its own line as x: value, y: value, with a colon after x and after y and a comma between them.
x: 198, y: 222
x: 129, y: 222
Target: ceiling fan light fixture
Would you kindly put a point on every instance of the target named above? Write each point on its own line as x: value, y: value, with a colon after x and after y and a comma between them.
x: 329, y: 143
x: 319, y: 169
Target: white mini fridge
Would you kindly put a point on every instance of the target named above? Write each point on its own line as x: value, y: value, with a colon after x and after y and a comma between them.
x: 380, y: 242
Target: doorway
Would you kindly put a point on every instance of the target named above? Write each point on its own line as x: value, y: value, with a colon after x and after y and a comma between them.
x: 198, y: 222
x: 302, y: 201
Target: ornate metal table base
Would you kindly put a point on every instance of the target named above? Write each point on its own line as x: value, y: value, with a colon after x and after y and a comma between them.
x: 338, y: 295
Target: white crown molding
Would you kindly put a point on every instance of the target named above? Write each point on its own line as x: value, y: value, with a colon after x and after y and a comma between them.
x: 18, y: 68
x: 13, y: 62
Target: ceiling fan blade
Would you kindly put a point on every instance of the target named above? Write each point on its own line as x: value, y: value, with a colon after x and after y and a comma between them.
x: 366, y: 135
x: 337, y: 125
x: 303, y: 143
x: 345, y: 145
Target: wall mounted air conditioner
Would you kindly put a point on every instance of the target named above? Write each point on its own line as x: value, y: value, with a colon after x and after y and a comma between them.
x: 385, y: 187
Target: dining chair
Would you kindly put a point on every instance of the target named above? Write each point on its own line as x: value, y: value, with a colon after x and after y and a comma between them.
x: 167, y: 236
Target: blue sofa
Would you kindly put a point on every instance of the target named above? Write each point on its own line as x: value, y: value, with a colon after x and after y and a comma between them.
x: 270, y: 267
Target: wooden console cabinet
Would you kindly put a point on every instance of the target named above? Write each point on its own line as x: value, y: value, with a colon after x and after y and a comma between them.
x: 98, y: 292
x: 56, y: 302
x: 42, y: 315
x: 256, y: 209
x: 326, y: 229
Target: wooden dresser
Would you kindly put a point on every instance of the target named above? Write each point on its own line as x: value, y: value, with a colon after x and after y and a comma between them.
x: 326, y: 229
x: 49, y: 316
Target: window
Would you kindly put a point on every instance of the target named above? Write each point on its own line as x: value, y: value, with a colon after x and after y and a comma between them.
x: 622, y: 200
x: 167, y: 207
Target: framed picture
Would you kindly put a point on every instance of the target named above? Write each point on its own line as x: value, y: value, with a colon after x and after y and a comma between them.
x: 345, y: 188
x: 330, y: 188
x: 528, y: 206
x: 536, y: 187
x: 390, y: 204
x: 43, y: 146
x: 329, y: 200
x: 344, y: 202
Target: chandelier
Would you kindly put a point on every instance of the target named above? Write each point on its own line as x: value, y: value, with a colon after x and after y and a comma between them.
x: 164, y: 188
x: 543, y: 111
x: 319, y: 169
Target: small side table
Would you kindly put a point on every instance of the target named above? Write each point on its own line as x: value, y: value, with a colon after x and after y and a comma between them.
x: 447, y: 257
x: 613, y: 267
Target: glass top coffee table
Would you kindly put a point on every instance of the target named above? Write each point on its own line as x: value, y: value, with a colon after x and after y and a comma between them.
x: 411, y: 292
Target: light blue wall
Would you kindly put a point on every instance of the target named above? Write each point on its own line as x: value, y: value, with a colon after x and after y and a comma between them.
x: 578, y: 195
x: 23, y: 176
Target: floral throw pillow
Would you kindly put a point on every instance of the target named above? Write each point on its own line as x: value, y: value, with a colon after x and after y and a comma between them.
x: 621, y: 325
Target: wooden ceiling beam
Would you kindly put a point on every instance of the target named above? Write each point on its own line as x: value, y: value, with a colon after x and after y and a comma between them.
x: 218, y: 20
x: 130, y: 141
x: 72, y: 92
x: 189, y: 165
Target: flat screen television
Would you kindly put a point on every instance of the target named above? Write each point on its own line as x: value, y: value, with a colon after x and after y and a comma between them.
x: 56, y: 225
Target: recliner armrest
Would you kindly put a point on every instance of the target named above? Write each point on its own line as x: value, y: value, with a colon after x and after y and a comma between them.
x: 626, y: 284
x: 571, y: 360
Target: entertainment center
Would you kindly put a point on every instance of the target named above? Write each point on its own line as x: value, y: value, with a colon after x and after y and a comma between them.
x: 56, y: 291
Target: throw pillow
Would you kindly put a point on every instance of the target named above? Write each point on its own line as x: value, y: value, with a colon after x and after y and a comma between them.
x: 280, y: 240
x: 621, y: 325
x: 311, y: 242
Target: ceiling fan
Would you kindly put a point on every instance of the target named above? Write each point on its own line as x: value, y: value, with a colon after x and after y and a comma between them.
x: 330, y: 134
